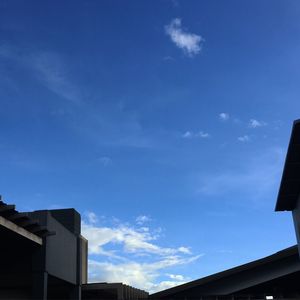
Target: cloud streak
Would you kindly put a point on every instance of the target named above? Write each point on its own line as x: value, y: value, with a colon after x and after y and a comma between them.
x: 140, y: 275
x: 133, y: 240
x: 47, y: 68
x: 191, y: 135
x: 105, y: 123
x: 254, y: 179
x: 51, y: 72
x: 255, y: 123
x: 190, y: 43
x: 244, y: 138
x: 140, y: 220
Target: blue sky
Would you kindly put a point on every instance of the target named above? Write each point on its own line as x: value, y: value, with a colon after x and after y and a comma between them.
x: 164, y: 123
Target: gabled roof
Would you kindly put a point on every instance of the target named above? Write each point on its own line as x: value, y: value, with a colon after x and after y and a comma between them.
x: 289, y: 190
x: 288, y: 252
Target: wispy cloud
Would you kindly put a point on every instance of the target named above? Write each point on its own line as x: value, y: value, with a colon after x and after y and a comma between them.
x: 224, y: 116
x: 176, y: 276
x: 140, y: 275
x: 255, y: 123
x: 190, y: 43
x: 133, y: 240
x: 103, y: 122
x: 91, y: 217
x: 255, y: 178
x: 123, y: 246
x: 244, y: 138
x: 52, y: 73
x: 185, y: 250
x: 47, y: 68
x: 142, y: 219
x: 168, y: 58
x: 200, y: 134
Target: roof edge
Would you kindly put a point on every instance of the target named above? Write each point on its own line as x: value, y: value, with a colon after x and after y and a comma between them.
x: 216, y: 276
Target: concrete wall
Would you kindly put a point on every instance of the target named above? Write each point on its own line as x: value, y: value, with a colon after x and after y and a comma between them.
x: 69, y: 218
x: 61, y: 248
x: 84, y: 260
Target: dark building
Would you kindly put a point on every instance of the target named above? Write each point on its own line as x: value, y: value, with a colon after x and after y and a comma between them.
x: 107, y: 291
x: 43, y: 256
x: 277, y: 275
x: 289, y: 190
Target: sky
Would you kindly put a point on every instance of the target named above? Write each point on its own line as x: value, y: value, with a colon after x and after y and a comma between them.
x: 164, y: 123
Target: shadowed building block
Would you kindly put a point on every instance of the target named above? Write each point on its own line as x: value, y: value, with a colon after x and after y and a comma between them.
x: 44, y: 256
x: 41, y: 254
x: 289, y: 190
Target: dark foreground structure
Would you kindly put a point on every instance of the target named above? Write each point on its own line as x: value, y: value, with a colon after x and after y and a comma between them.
x: 277, y: 275
x: 117, y: 291
x: 43, y: 256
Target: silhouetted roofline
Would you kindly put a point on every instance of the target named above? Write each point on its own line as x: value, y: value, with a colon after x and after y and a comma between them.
x: 289, y: 189
x: 245, y: 267
x: 22, y: 220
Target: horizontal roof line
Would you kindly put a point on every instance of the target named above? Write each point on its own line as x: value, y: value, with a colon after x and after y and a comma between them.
x: 20, y: 230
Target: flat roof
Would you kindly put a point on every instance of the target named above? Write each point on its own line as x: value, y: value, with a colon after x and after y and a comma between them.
x: 127, y: 292
x: 289, y: 189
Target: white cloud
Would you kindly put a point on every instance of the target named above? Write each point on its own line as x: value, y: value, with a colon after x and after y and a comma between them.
x: 132, y: 240
x: 224, y: 116
x: 177, y: 277
x: 140, y: 275
x: 184, y: 250
x: 200, y: 134
x: 244, y: 139
x: 190, y: 43
x: 92, y: 218
x: 255, y: 123
x: 134, y: 257
x: 187, y: 135
x: 140, y: 220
